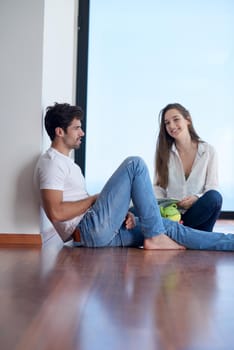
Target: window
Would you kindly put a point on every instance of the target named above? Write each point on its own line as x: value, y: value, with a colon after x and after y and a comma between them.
x: 143, y: 56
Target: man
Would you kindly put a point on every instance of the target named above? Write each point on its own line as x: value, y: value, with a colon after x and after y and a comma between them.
x: 103, y: 219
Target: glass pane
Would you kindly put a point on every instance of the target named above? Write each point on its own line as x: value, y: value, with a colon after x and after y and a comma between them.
x: 143, y: 56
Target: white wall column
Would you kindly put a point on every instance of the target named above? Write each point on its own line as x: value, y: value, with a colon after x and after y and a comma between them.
x: 37, y: 68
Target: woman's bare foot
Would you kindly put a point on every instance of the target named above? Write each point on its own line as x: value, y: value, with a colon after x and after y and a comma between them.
x: 161, y: 242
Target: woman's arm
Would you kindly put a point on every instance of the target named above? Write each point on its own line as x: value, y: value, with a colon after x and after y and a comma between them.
x: 212, y: 182
x: 158, y: 190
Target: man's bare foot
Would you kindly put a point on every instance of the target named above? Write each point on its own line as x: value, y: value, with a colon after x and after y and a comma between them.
x: 161, y: 242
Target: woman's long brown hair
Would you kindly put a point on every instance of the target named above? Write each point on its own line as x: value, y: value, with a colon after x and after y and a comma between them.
x: 165, y: 141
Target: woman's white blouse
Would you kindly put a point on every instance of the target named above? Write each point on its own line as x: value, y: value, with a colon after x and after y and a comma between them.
x: 203, y: 175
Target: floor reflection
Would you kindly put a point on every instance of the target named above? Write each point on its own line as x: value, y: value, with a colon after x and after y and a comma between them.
x: 115, y: 298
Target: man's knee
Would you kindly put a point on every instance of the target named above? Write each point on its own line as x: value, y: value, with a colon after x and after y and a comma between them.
x: 135, y: 160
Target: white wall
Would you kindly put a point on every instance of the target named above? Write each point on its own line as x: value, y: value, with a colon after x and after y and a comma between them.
x: 37, y: 68
x: 21, y: 36
x: 59, y: 61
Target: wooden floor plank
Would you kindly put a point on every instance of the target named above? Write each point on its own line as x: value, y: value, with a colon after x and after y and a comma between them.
x: 60, y: 297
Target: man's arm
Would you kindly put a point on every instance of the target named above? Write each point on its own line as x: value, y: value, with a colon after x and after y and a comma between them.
x: 57, y: 210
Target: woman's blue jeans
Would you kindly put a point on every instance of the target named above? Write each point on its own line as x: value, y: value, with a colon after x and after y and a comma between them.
x: 103, y: 223
x: 204, y: 212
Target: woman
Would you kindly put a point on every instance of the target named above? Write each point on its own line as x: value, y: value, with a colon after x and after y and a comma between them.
x: 186, y: 169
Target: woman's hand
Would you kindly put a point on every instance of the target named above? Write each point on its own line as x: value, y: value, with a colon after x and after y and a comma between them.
x: 187, y: 202
x: 130, y: 221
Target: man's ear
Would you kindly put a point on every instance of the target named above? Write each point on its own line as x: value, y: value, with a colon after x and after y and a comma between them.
x: 59, y: 132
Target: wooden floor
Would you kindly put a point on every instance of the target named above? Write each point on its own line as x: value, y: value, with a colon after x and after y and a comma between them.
x: 64, y: 298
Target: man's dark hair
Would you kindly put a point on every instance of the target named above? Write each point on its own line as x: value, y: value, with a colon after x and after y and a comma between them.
x: 61, y: 115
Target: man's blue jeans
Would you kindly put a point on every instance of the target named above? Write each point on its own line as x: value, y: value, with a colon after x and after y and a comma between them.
x: 103, y: 226
x: 103, y: 223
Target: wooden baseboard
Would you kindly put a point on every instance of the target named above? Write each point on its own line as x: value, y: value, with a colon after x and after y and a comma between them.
x: 20, y: 239
x: 228, y: 215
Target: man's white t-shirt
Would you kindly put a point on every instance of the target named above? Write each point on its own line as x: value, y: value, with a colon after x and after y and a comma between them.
x: 55, y: 171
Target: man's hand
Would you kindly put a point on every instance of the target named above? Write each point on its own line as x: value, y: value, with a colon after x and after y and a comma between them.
x: 187, y: 202
x: 130, y: 221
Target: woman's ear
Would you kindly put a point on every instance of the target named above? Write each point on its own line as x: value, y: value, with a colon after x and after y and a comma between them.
x: 189, y: 120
